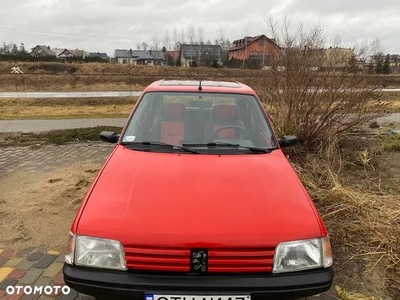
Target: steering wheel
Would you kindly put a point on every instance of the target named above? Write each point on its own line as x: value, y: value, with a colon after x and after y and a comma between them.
x: 244, y: 132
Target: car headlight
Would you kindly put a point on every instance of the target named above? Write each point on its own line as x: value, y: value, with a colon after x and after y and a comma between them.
x: 96, y: 253
x: 303, y: 255
x: 69, y: 256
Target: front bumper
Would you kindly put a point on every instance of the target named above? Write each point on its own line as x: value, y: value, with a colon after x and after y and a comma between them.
x: 120, y: 285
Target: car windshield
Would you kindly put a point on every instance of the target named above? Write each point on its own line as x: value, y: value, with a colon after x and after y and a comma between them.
x: 201, y: 121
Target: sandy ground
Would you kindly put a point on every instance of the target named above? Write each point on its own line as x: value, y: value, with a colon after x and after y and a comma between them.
x: 39, y: 209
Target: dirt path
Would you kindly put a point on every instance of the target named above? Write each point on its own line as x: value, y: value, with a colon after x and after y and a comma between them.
x: 41, y: 190
x: 39, y: 209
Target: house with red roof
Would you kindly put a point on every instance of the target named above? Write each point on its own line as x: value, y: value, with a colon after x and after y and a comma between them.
x: 255, y: 48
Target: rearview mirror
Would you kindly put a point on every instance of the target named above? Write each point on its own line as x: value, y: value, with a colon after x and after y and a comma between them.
x: 109, y: 136
x: 288, y: 140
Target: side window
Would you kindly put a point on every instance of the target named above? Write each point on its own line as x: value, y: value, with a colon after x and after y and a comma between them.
x: 253, y: 123
x: 265, y: 133
x: 139, y: 128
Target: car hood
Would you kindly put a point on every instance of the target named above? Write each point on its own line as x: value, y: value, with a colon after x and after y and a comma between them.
x: 147, y: 198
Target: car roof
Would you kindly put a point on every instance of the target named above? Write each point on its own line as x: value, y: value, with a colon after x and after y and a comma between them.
x: 193, y: 86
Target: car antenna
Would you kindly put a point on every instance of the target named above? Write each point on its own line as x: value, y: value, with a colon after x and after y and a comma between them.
x: 200, y: 87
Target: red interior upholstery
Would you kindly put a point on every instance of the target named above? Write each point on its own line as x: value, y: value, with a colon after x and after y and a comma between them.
x: 172, y: 129
x: 172, y: 132
x: 224, y: 112
x: 173, y: 110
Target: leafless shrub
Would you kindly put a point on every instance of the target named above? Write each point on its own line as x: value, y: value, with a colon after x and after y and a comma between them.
x: 362, y: 220
x: 313, y: 91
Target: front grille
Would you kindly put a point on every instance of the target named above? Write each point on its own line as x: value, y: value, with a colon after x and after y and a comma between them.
x: 245, y: 260
x: 220, y: 260
x: 157, y: 259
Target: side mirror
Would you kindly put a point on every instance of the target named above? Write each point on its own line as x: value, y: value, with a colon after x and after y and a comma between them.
x: 109, y: 136
x: 288, y: 140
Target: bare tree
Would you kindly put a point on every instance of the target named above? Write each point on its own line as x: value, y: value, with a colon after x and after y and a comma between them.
x: 313, y: 93
x: 175, y: 35
x: 145, y: 46
x: 222, y: 40
x: 167, y: 40
x: 221, y: 36
x: 183, y: 36
x: 6, y: 49
x: 175, y: 39
x: 22, y: 49
x: 191, y: 34
x: 200, y: 36
x: 156, y: 42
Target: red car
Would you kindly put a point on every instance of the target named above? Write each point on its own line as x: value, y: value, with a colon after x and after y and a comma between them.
x: 198, y: 202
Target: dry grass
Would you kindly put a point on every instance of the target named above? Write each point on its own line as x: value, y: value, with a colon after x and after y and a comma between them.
x: 391, y: 101
x: 344, y: 295
x: 67, y: 108
x: 42, y: 76
x: 357, y: 196
x: 59, y: 112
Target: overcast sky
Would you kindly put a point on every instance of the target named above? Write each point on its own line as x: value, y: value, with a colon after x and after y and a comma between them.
x: 106, y: 25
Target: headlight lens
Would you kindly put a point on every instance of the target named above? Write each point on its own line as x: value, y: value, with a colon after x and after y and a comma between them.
x: 99, y: 253
x: 302, y: 255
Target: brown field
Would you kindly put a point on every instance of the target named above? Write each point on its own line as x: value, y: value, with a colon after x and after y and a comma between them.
x: 391, y: 101
x: 45, y: 76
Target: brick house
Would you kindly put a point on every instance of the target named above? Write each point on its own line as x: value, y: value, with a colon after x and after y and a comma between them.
x: 259, y: 48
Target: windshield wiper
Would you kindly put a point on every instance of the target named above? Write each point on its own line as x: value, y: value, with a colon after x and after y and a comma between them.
x: 219, y: 144
x: 154, y: 143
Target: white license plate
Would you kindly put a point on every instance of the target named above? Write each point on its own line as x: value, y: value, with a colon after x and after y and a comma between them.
x: 149, y: 296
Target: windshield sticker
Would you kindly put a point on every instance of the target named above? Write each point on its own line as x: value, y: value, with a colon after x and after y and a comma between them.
x: 129, y: 138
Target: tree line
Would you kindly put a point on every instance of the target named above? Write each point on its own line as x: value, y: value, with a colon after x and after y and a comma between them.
x: 13, y: 49
x: 172, y: 40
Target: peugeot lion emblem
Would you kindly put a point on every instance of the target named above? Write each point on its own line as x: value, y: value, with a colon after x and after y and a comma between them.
x: 199, y: 259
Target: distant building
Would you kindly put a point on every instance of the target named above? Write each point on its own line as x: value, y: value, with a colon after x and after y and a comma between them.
x: 338, y: 57
x: 42, y: 51
x: 201, y: 55
x: 57, y: 51
x: 140, y: 57
x: 332, y: 58
x: 99, y: 55
x: 394, y: 60
x: 259, y: 48
x: 172, y: 57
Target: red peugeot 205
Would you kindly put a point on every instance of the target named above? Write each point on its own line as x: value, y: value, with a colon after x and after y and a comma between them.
x: 198, y: 202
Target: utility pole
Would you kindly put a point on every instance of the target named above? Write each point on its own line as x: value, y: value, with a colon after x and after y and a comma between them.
x: 245, y: 52
x: 129, y: 62
x: 263, y: 60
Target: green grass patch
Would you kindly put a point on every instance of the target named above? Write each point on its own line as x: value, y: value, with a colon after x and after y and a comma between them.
x: 392, y: 143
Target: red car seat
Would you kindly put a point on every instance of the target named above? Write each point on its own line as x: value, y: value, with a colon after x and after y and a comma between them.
x: 223, y: 115
x: 171, y: 126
